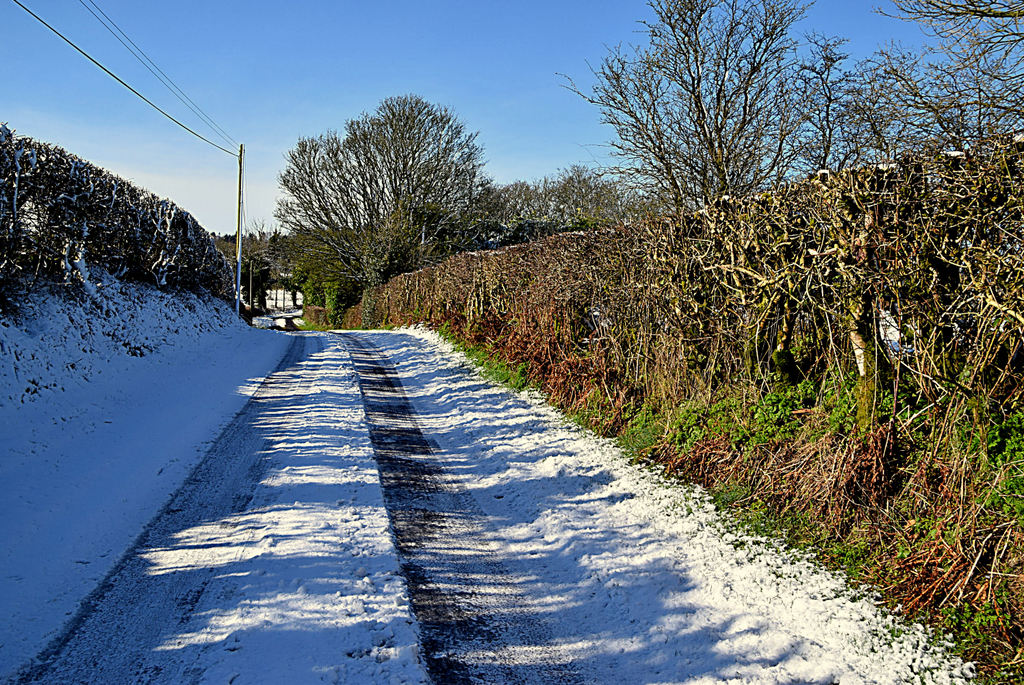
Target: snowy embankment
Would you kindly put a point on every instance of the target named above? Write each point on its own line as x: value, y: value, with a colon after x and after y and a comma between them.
x: 107, y: 404
x: 640, y: 580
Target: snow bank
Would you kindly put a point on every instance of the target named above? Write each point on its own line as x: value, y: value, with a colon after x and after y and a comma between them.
x: 106, y: 404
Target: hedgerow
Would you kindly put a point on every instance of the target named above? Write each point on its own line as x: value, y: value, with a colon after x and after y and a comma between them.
x: 59, y: 215
x: 845, y: 352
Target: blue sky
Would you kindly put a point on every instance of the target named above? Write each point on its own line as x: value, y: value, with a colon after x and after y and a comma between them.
x: 269, y: 73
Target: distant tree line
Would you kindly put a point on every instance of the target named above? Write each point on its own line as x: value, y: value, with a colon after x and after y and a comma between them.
x: 577, y: 197
x: 268, y: 263
x: 404, y: 186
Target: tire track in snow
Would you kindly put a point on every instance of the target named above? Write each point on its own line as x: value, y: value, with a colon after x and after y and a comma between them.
x: 131, y: 610
x: 473, y: 624
x: 641, y: 580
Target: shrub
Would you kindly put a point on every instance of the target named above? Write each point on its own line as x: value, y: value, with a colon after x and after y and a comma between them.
x: 59, y: 215
x: 816, y: 352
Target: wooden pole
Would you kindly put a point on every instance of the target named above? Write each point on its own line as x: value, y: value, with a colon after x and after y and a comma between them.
x: 238, y: 235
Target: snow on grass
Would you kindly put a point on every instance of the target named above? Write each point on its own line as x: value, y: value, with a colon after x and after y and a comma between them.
x: 106, y: 404
x: 638, y: 579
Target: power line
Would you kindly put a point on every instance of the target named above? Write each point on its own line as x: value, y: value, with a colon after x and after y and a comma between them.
x: 153, y: 68
x: 139, y: 54
x: 116, y: 78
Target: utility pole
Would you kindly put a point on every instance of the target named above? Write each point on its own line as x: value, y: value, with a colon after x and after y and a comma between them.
x: 238, y: 236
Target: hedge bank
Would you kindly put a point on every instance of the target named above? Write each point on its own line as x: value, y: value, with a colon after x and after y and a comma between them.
x: 59, y: 215
x: 842, y: 355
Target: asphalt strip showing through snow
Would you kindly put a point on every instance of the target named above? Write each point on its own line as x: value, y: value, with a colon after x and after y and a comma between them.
x: 130, y: 611
x: 467, y: 605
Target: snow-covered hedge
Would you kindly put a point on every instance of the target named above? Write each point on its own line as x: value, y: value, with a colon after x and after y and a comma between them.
x: 59, y: 215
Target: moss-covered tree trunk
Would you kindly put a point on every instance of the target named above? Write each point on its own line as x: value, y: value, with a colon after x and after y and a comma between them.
x: 860, y: 322
x: 782, y: 357
x: 869, y: 360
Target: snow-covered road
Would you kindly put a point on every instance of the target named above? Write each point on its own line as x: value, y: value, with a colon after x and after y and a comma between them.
x: 271, y: 564
x: 378, y: 513
x: 476, y: 625
x: 630, y: 579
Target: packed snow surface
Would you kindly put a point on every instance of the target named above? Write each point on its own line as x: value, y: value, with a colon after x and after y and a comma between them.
x: 310, y: 588
x: 271, y: 564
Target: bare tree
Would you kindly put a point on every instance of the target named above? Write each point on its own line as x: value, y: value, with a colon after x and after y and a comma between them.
x: 952, y: 93
x: 380, y: 199
x: 828, y: 138
x: 998, y: 21
x: 576, y: 197
x: 967, y: 84
x: 580, y: 194
x: 574, y: 194
x: 878, y: 124
x: 708, y: 107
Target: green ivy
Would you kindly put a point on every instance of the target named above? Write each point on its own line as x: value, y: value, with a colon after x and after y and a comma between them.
x: 1006, y: 464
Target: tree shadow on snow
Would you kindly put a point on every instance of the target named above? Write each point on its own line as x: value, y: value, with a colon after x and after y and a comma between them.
x: 273, y: 558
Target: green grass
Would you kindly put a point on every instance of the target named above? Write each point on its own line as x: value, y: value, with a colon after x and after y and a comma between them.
x: 516, y: 377
x: 307, y: 326
x: 645, y: 430
x: 1005, y: 466
x: 744, y: 423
